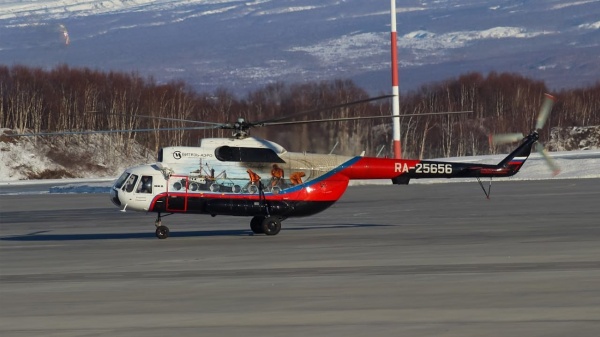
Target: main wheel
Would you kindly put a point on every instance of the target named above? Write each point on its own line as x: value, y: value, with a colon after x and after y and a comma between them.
x: 271, y: 225
x: 256, y: 224
x: 162, y: 232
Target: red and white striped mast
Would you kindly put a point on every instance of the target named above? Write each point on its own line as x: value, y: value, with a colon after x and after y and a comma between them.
x: 395, y: 90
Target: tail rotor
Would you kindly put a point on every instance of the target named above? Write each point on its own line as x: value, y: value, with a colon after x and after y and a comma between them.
x: 540, y: 122
x: 505, y: 138
x: 549, y: 161
x: 544, y: 111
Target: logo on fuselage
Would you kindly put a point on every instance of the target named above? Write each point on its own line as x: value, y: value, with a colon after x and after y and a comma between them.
x: 179, y: 155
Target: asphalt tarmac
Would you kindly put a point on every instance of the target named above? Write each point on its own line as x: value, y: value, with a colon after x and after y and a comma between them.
x: 417, y: 260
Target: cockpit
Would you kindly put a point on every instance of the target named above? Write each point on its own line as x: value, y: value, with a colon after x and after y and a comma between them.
x: 130, y: 184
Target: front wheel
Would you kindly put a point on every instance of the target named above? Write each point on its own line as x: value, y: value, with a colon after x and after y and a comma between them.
x: 271, y: 225
x: 162, y: 232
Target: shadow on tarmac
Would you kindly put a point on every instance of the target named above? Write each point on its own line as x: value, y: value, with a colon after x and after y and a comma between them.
x: 46, y: 236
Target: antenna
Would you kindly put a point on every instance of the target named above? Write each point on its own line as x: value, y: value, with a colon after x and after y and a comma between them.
x: 380, y: 150
x: 333, y: 148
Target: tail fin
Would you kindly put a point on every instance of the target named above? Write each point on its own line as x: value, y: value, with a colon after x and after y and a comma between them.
x: 517, y: 158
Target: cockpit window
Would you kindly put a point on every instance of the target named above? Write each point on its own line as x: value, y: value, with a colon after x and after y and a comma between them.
x: 145, y: 185
x: 119, y: 183
x: 130, y: 183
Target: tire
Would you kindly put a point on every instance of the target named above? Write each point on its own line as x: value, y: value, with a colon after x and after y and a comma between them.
x: 162, y: 232
x: 271, y: 225
x: 256, y: 224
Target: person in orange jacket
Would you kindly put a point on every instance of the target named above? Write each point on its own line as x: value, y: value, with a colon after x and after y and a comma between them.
x: 254, y: 178
x: 296, y: 178
x: 276, y: 175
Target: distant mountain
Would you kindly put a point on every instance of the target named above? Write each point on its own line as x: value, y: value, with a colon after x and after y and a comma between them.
x: 242, y: 45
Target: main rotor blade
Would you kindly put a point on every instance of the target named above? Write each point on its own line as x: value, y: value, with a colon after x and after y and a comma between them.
x: 544, y: 111
x: 549, y: 161
x: 308, y: 112
x: 506, y: 138
x: 89, y: 132
x: 360, y: 118
x: 164, y: 118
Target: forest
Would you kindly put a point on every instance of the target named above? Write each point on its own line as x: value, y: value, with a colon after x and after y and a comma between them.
x: 38, y: 100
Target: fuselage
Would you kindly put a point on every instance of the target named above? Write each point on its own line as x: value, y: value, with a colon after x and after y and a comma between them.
x: 214, y: 179
x: 255, y: 177
x: 150, y: 188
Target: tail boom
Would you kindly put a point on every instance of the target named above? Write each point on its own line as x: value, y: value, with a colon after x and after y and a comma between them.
x: 400, y: 171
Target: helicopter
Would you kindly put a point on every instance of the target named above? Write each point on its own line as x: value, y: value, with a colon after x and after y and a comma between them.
x: 252, y: 177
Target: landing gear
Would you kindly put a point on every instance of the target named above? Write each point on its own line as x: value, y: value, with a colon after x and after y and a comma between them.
x: 162, y: 232
x: 269, y: 225
x: 256, y: 224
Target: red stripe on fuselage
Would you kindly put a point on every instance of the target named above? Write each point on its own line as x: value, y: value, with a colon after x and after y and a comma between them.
x: 378, y: 168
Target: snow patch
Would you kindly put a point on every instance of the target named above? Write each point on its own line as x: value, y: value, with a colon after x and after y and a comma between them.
x: 573, y: 3
x: 347, y: 47
x: 426, y: 40
x: 590, y: 26
x: 90, y: 156
x: 21, y: 159
x: 52, y: 9
x: 286, y: 10
x: 575, y: 138
x: 420, y: 34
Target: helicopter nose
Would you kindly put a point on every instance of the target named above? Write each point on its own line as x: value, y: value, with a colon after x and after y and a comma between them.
x: 114, y: 197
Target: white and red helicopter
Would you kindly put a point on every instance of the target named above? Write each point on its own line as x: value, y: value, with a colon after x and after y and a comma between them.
x: 253, y: 177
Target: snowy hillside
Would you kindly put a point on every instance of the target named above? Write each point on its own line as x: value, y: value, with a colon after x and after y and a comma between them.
x: 93, y: 156
x: 246, y: 44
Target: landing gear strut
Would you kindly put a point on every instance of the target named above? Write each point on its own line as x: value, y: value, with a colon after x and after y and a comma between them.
x: 267, y: 224
x: 162, y: 232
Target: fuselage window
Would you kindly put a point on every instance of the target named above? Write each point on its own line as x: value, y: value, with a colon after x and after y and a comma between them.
x: 130, y: 183
x: 121, y: 180
x: 145, y: 185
